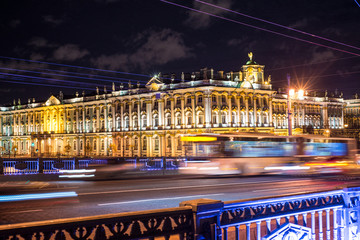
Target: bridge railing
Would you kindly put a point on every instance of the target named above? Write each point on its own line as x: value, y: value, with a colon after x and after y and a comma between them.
x: 316, y: 216
x: 166, y: 223
x: 22, y: 166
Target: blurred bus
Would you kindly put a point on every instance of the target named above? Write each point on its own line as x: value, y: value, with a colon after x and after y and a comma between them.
x: 256, y: 153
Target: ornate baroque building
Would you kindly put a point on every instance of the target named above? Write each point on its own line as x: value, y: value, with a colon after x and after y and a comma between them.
x: 352, y: 113
x: 148, y: 121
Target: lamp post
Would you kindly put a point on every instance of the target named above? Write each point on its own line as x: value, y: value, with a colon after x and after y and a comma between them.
x: 289, y: 92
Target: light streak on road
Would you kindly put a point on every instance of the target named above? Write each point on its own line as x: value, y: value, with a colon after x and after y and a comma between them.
x: 183, y: 187
x: 36, y: 196
x: 162, y: 199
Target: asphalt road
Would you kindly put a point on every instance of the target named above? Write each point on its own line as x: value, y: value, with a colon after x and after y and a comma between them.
x: 103, y: 197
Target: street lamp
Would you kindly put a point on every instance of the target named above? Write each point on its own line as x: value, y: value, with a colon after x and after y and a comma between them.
x: 291, y: 92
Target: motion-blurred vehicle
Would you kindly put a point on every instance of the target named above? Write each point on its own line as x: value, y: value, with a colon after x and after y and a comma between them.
x: 112, y: 170
x: 254, y: 153
x: 333, y: 165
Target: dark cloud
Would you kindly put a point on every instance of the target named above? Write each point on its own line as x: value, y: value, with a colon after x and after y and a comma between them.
x: 201, y: 21
x: 69, y: 52
x: 157, y: 48
x: 234, y: 42
x: 300, y: 24
x: 15, y: 23
x: 321, y: 56
x: 40, y: 42
x: 52, y: 20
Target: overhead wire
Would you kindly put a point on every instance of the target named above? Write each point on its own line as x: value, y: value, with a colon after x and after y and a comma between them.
x: 259, y: 28
x: 81, y: 67
x: 60, y: 75
x: 276, y: 24
x: 73, y: 66
x: 14, y: 81
x: 48, y: 79
x: 314, y: 63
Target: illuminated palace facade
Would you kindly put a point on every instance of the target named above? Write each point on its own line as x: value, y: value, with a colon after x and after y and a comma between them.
x: 149, y: 120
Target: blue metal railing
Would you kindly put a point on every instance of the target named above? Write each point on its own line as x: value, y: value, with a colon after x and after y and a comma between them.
x: 332, y: 215
x: 16, y: 167
x: 53, y: 166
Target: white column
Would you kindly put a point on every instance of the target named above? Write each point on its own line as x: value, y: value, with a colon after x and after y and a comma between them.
x: 229, y: 111
x: 255, y: 111
x: 193, y: 99
x: 161, y: 113
x: 247, y: 123
x: 113, y: 117
x: 172, y: 105
x: 77, y: 122
x: 149, y: 113
x: 270, y: 116
x: 122, y: 125
x: 182, y: 112
x: 238, y: 110
x: 207, y: 109
x: 130, y: 116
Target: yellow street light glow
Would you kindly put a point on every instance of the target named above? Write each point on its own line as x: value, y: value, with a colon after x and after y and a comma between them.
x: 292, y: 92
x: 301, y: 93
x: 197, y: 139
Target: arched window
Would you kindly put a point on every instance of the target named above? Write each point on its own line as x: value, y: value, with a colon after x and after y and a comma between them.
x: 178, y: 119
x: 178, y: 144
x: 168, y: 142
x: 136, y: 143
x: 110, y: 125
x: 102, y: 125
x: 215, y: 118
x: 223, y: 117
x: 188, y: 100
x: 178, y: 101
x: 200, y: 118
x: 156, y: 143
x: 233, y: 117
x: 251, y: 119
x: 144, y: 144
x: 242, y: 115
x: 258, y: 118
x: 155, y: 120
x: 127, y: 122
x: 87, y: 126
x: 135, y: 122
x: 188, y: 118
x: 143, y: 121
x: 213, y: 98
x: 168, y: 119
x: 118, y: 123
x: 94, y: 144
x: 80, y: 126
x: 127, y: 143
x: 74, y: 145
x: 102, y: 145
x: 265, y: 118
x: 81, y: 145
x: 118, y: 143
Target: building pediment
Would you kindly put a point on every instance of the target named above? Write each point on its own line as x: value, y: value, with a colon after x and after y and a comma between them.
x: 52, y: 101
x: 154, y: 84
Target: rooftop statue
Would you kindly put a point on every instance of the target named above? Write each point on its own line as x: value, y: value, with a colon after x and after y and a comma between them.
x: 250, y: 54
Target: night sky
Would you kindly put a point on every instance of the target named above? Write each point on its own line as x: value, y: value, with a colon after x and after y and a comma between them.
x: 150, y: 36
